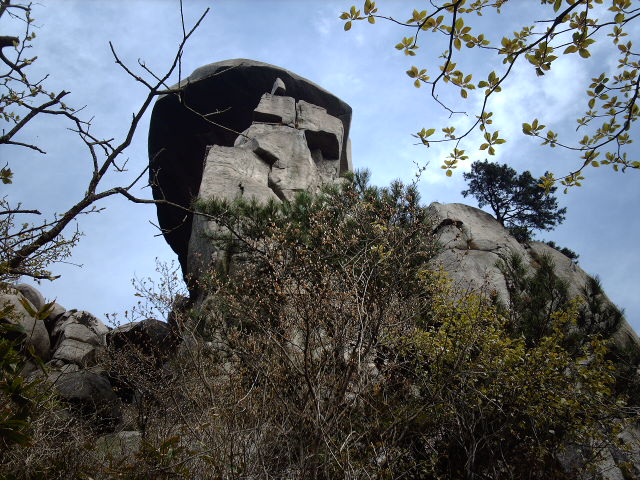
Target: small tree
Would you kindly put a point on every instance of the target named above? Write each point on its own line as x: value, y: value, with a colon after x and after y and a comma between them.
x: 517, y: 201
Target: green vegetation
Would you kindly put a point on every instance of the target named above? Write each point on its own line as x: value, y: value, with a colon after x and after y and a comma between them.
x: 564, y: 250
x: 328, y: 346
x: 517, y: 201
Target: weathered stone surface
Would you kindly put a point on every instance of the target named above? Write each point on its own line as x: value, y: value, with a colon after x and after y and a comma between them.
x: 285, y: 148
x: 74, y: 320
x: 231, y: 172
x: 276, y: 109
x: 56, y: 311
x: 463, y: 227
x: 77, y: 336
x: 151, y: 337
x: 81, y: 333
x: 474, y: 242
x: 279, y: 88
x: 36, y: 331
x: 294, y: 146
x: 58, y: 369
x: 178, y: 137
x: 32, y: 294
x: 322, y: 130
x: 328, y: 169
x: 70, y: 350
x: 92, y: 396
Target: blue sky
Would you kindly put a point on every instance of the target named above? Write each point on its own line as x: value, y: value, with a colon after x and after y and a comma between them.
x: 360, y: 66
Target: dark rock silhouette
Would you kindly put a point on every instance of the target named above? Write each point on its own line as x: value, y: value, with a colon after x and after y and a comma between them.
x: 179, y: 135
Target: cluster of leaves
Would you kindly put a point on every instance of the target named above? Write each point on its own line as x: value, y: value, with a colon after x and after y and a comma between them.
x: 517, y: 201
x: 566, y: 27
x: 536, y: 295
x: 566, y: 251
x: 20, y: 397
x: 471, y: 400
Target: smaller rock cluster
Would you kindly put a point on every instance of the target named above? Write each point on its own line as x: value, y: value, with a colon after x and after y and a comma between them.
x: 71, y: 343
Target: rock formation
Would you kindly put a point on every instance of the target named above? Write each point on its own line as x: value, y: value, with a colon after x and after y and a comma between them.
x: 474, y: 243
x: 223, y: 105
x: 242, y: 128
x: 72, y: 343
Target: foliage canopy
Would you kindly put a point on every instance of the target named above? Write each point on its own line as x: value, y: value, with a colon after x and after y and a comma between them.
x: 517, y: 201
x: 326, y: 346
x: 553, y: 30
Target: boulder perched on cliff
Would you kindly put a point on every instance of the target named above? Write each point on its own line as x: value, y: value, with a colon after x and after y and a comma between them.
x: 239, y: 92
x: 285, y: 137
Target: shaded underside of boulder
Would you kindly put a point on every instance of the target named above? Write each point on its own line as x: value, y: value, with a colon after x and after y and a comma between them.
x: 91, y: 395
x: 150, y: 337
x: 179, y: 135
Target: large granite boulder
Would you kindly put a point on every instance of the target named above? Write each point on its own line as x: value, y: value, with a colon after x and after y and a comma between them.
x: 473, y: 243
x: 217, y: 104
x: 149, y: 337
x: 291, y: 147
x: 32, y: 294
x: 91, y: 396
x: 78, y: 337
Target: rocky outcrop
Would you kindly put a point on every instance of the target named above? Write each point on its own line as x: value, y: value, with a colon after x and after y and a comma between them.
x: 473, y: 243
x: 292, y: 146
x: 149, y: 337
x: 78, y: 337
x: 91, y: 395
x: 73, y: 343
x: 216, y: 104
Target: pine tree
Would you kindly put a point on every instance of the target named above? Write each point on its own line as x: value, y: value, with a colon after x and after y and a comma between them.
x: 517, y: 201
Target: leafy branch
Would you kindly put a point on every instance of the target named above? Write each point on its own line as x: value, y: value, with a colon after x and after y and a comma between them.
x: 572, y: 28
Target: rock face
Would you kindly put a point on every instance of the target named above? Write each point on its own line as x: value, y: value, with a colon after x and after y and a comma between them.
x: 248, y: 98
x: 15, y: 312
x: 474, y: 242
x: 150, y: 337
x: 293, y: 139
x: 92, y: 396
x: 78, y: 350
x: 79, y: 336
